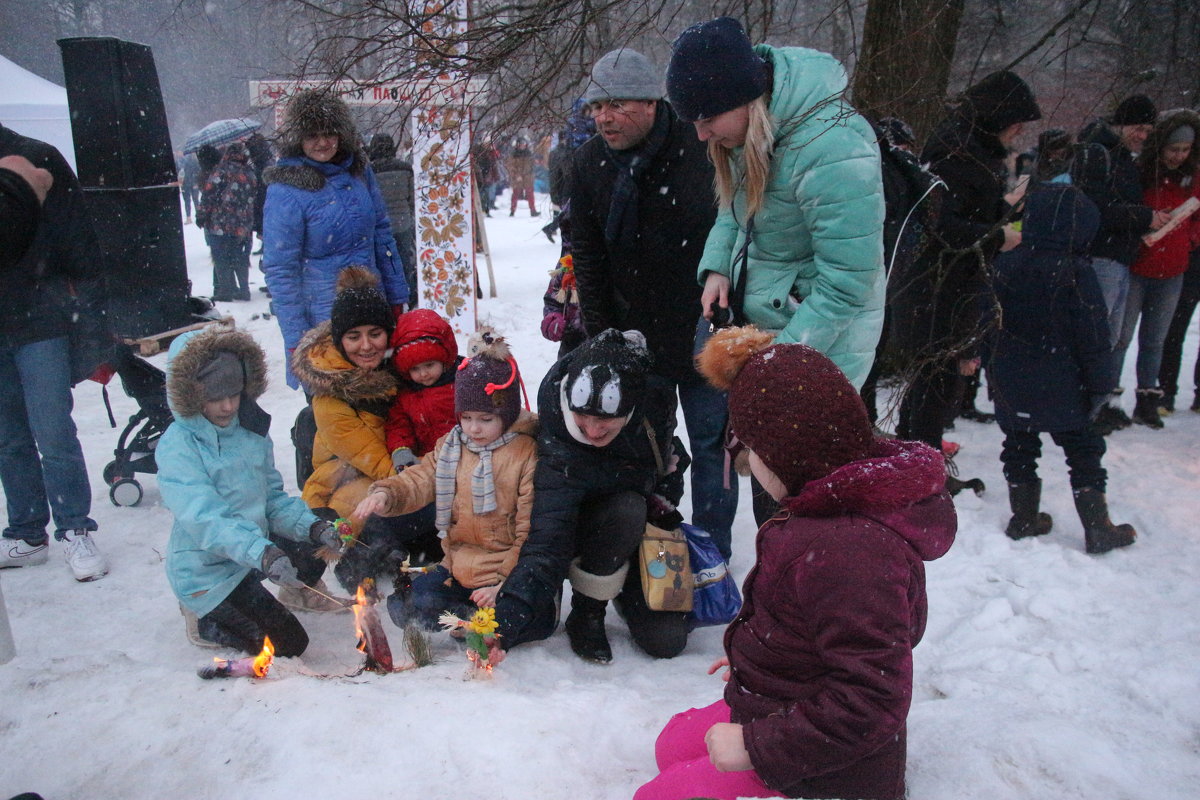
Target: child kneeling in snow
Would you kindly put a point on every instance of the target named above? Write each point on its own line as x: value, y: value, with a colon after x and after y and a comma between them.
x: 233, y: 520
x: 480, y: 475
x: 820, y: 657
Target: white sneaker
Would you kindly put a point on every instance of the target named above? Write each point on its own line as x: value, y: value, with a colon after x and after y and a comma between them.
x: 83, y: 557
x: 20, y: 553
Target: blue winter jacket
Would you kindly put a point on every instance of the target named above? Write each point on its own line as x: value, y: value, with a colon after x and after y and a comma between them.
x: 320, y: 218
x: 1048, y: 354
x: 226, y: 494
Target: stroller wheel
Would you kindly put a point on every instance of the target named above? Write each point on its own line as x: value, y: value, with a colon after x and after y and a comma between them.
x: 125, y: 492
x: 112, y: 473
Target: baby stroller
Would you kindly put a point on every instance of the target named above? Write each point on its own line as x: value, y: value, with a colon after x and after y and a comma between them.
x: 147, y: 384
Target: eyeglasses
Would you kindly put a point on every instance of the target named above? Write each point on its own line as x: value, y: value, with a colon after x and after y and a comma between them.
x: 597, y: 107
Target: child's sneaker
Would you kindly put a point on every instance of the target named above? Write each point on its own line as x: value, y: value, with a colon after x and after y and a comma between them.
x: 20, y: 553
x: 84, y: 558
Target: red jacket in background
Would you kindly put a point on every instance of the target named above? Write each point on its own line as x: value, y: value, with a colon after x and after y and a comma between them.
x: 821, y: 653
x: 1168, y: 256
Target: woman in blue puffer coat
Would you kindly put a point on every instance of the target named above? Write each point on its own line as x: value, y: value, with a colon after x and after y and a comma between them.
x: 324, y: 212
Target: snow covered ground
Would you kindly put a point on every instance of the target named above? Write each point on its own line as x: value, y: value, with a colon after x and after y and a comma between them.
x: 1045, y: 673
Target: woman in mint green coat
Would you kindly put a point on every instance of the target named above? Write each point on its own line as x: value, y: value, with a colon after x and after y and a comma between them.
x: 798, y: 173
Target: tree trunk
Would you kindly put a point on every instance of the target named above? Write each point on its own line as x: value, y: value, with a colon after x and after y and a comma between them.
x: 904, y: 64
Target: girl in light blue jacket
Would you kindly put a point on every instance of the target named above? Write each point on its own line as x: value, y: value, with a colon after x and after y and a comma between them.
x: 233, y: 521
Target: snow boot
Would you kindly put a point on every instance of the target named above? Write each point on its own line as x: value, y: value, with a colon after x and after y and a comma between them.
x: 589, y: 602
x: 1024, y: 500
x: 1146, y: 410
x: 1111, y: 418
x: 585, y: 628
x: 1100, y: 534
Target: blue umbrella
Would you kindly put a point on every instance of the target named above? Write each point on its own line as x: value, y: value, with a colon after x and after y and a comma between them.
x: 223, y: 131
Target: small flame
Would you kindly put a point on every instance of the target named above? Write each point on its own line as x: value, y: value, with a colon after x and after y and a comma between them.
x: 360, y: 605
x: 262, y: 662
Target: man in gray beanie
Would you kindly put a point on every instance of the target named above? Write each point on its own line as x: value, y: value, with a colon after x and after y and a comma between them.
x: 641, y: 209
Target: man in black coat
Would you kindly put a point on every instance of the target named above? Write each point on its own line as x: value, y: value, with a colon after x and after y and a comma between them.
x: 1111, y: 180
x: 43, y: 297
x: 607, y: 462
x: 940, y: 315
x: 641, y: 210
x: 395, y: 178
x: 23, y: 189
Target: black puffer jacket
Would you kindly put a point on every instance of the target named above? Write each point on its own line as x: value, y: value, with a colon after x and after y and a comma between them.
x: 570, y: 473
x: 1117, y: 192
x: 934, y: 301
x: 57, y: 287
x: 651, y: 288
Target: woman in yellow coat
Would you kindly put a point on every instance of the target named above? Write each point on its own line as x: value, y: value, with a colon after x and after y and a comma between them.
x: 342, y: 364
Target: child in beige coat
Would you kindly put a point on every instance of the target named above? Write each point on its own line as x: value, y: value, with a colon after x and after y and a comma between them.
x: 480, y: 475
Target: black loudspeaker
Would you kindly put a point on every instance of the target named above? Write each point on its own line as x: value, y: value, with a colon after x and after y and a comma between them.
x: 117, y: 114
x: 141, y: 241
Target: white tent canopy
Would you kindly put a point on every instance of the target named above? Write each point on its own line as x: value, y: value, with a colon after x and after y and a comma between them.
x: 35, y: 107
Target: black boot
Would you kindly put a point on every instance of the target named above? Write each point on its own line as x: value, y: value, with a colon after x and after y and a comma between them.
x: 1146, y: 410
x: 1111, y: 418
x: 585, y: 628
x: 1099, y: 532
x: 1024, y: 499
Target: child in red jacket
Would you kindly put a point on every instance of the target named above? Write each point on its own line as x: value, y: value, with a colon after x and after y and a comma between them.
x: 820, y: 656
x: 426, y: 359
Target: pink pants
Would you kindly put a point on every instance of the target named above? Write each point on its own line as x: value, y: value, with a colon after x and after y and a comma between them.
x: 684, y: 769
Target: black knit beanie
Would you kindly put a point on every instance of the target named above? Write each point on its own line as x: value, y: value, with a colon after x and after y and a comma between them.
x: 358, y: 302
x: 606, y: 375
x: 1137, y: 109
x: 714, y: 69
x: 1000, y: 100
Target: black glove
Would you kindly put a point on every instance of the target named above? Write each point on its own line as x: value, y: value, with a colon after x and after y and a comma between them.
x: 661, y: 513
x: 279, y: 568
x: 325, y: 534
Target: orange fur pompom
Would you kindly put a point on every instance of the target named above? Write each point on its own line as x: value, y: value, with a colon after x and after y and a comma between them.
x: 356, y: 278
x: 728, y: 351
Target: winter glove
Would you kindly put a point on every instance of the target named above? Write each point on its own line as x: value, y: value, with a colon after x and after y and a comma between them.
x: 402, y: 457
x: 279, y: 568
x: 325, y: 534
x: 661, y: 513
x: 553, y: 326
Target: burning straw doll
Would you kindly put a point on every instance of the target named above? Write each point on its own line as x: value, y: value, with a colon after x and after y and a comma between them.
x: 480, y: 476
x: 233, y: 520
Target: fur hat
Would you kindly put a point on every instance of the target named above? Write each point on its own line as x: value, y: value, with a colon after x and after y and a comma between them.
x: 314, y: 111
x: 623, y: 75
x: 421, y: 335
x: 788, y: 403
x: 1000, y: 100
x: 488, y: 380
x: 606, y: 375
x: 714, y: 69
x: 1137, y: 109
x: 191, y: 361
x: 358, y: 302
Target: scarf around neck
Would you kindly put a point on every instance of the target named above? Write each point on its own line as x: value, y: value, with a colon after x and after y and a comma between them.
x: 483, y: 484
x: 622, y: 226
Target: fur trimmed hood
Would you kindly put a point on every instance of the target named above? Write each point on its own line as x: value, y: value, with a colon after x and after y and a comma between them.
x: 192, y: 351
x: 314, y: 111
x: 325, y: 371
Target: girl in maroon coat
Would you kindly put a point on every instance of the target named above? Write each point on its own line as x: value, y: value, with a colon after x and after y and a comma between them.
x: 820, y: 657
x: 426, y: 358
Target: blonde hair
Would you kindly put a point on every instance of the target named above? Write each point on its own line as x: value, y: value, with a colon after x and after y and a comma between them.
x: 755, y: 166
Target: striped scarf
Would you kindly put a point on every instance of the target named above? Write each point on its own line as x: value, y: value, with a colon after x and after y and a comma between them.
x: 483, y: 484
